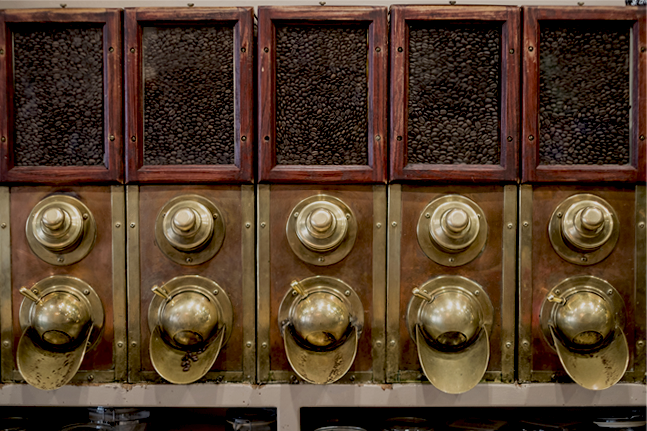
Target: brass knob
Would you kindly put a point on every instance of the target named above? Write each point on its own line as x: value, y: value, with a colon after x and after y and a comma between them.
x: 591, y: 218
x: 587, y: 225
x: 188, y: 226
x: 184, y: 220
x: 321, y: 226
x: 53, y: 219
x: 321, y: 220
x: 457, y: 220
x: 454, y: 226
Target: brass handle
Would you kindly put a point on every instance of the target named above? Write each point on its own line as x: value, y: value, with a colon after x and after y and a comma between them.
x: 29, y: 295
x: 161, y: 292
x: 422, y: 294
x: 556, y: 299
x: 298, y: 288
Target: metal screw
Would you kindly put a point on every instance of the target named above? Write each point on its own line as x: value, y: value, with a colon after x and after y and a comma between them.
x: 378, y: 49
x: 266, y: 49
x: 526, y: 343
x: 86, y: 292
x: 117, y: 225
x: 400, y: 49
x: 60, y: 259
x: 508, y: 345
x: 557, y: 291
x: 321, y: 259
x: 133, y: 138
x: 120, y: 344
x: 377, y: 137
x: 642, y: 137
x: 347, y: 293
x: 35, y: 291
x: 63, y: 5
x: 347, y: 216
x: 352, y: 378
x: 378, y: 343
x: 477, y: 292
x: 134, y: 344
x: 584, y: 259
x: 243, y: 138
x: 295, y: 293
x: 559, y: 215
x: 90, y: 377
x: 451, y: 259
x: 639, y: 343
x: 248, y: 344
x: 511, y: 51
x: 531, y: 138
x: 530, y: 48
x: 294, y: 379
x: 610, y: 292
x: 263, y: 224
x: 399, y: 138
x: 264, y: 345
x: 378, y: 225
x: 5, y: 343
x: 394, y: 224
x: 1, y: 51
x: 190, y: 4
x: 85, y: 216
x: 510, y: 225
x: 427, y: 215
x: 3, y: 139
x: 188, y: 260
x: 243, y: 49
x: 216, y: 291
x: 132, y: 50
x: 3, y: 225
x: 392, y: 343
x: 642, y: 49
x: 452, y: 2
x: 525, y: 224
x: 509, y: 138
x: 132, y: 225
x: 111, y: 49
x: 640, y: 225
x: 296, y: 214
x: 248, y: 225
x: 322, y: 3
x: 580, y: 3
x: 112, y: 137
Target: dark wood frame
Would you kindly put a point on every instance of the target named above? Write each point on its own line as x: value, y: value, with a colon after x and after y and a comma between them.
x: 241, y: 171
x: 532, y: 170
x: 112, y: 98
x: 268, y: 169
x: 510, y: 19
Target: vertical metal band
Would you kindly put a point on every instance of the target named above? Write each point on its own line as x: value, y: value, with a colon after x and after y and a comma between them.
x: 508, y: 283
x: 248, y: 246
x: 393, y: 283
x: 379, y: 282
x: 263, y: 293
x: 641, y: 281
x: 133, y: 278
x: 6, y: 319
x: 524, y: 356
x: 119, y: 302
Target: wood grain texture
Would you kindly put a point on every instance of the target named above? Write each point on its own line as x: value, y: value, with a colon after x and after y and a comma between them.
x: 268, y: 169
x: 508, y: 169
x: 242, y: 170
x: 532, y: 171
x: 112, y: 171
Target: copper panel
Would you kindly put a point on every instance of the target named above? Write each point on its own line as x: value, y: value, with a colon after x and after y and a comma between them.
x: 225, y: 268
x: 96, y: 269
x: 355, y: 269
x: 416, y: 268
x: 548, y: 269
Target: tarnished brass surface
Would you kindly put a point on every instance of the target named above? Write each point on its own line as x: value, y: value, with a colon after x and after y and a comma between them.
x: 584, y: 229
x: 321, y: 320
x: 321, y: 230
x: 6, y: 324
x: 61, y: 317
x: 189, y: 229
x: 452, y: 230
x: 61, y: 230
x: 102, y: 269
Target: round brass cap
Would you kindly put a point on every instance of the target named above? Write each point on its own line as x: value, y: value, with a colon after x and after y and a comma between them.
x: 449, y: 318
x: 60, y: 230
x: 452, y: 230
x: 321, y: 230
x: 321, y: 320
x: 190, y: 320
x: 583, y: 319
x: 58, y: 327
x: 583, y: 229
x: 189, y: 229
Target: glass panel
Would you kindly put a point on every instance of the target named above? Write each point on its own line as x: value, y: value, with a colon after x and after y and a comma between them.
x: 58, y: 96
x: 454, y: 74
x: 321, y: 95
x: 188, y: 95
x: 584, y: 93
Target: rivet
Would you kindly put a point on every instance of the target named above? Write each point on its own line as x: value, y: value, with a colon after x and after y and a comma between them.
x: 85, y: 216
x: 133, y: 138
x: 509, y: 138
x: 111, y: 49
x: 526, y: 343
x: 120, y: 344
x: 132, y: 50
x: 378, y: 343
x: 86, y: 292
x: 557, y: 291
x: 511, y: 51
x: 295, y: 293
x: 478, y: 215
x: 531, y: 138
x: 215, y: 216
x: 640, y: 225
x: 248, y: 225
x: 584, y: 259
x: 642, y: 49
x: 642, y: 137
x: 427, y: 215
x: 36, y: 291
x: 188, y: 260
x: 559, y: 215
x: 610, y: 292
x: 266, y: 49
x: 248, y: 344
x: 3, y: 225
x: 378, y: 225
x: 451, y: 259
x: 400, y: 49
x: 639, y: 343
x: 90, y: 377
x: 112, y: 137
x: 134, y: 344
x: 399, y: 138
x: 530, y: 48
x: 321, y: 259
x: 242, y: 49
x: 5, y: 343
x: 477, y: 292
x: 510, y: 225
x: 117, y: 225
x: 347, y: 216
x: 296, y: 214
x: 508, y: 345
x: 263, y: 224
x: 1, y: 51
x: 378, y: 49
x: 394, y: 224
x: 352, y: 378
x: 525, y: 224
x: 347, y: 293
x: 264, y: 345
x: 3, y: 139
x: 377, y: 137
x: 243, y: 138
x: 60, y: 259
x: 392, y: 343
x: 216, y: 291
x: 132, y: 225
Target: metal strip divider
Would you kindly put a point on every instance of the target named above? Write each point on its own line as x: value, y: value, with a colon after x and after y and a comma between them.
x: 119, y: 298
x: 524, y: 351
x: 508, y: 283
x: 263, y: 283
x: 6, y: 319
x: 641, y: 282
x: 133, y: 277
x: 380, y: 244
x: 248, y: 280
x: 393, y: 283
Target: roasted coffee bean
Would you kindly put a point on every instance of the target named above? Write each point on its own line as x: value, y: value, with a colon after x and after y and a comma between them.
x: 454, y: 74
x: 188, y: 95
x: 58, y: 95
x: 584, y: 106
x: 321, y: 95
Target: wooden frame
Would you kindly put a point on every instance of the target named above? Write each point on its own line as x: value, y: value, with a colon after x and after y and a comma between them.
x: 112, y: 98
x: 268, y: 169
x: 241, y: 171
x: 532, y: 170
x: 510, y: 19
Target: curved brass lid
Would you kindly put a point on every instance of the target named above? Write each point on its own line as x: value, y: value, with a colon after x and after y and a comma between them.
x: 583, y: 229
x: 61, y: 317
x: 321, y: 320
x: 189, y: 229
x: 60, y: 230
x: 190, y: 319
x: 449, y: 318
x: 583, y: 318
x: 321, y: 230
x: 452, y: 230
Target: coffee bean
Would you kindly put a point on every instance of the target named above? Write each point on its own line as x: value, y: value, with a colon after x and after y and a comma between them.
x: 188, y: 95
x: 58, y: 95
x: 321, y: 95
x: 454, y: 74
x: 584, y: 96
